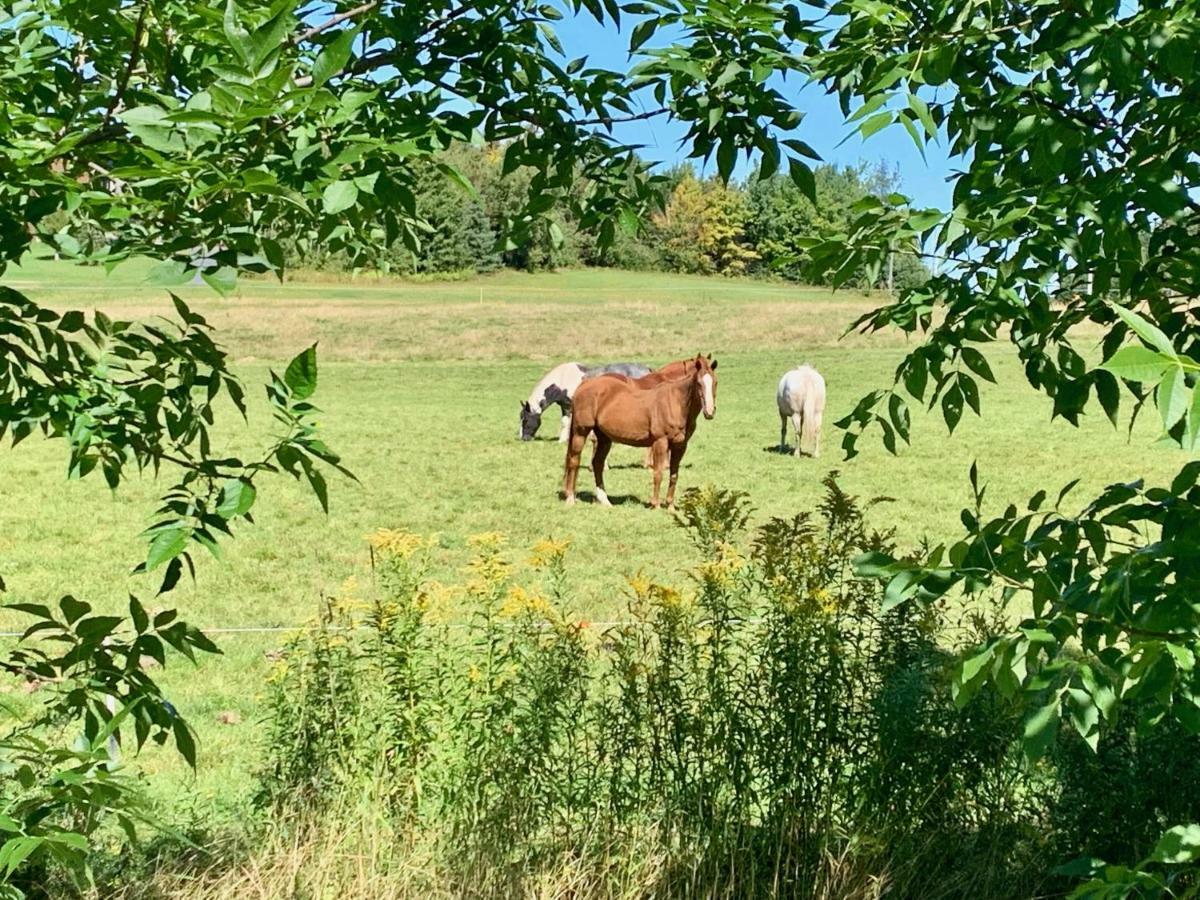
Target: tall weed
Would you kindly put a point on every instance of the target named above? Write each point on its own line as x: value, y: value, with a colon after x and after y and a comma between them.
x: 763, y: 730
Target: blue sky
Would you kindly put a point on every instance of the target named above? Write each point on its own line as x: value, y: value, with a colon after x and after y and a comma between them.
x: 823, y: 128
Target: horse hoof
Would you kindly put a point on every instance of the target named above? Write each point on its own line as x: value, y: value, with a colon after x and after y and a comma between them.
x: 602, y: 498
x: 570, y: 500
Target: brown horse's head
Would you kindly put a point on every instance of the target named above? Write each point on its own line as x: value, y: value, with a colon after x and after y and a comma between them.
x: 704, y: 369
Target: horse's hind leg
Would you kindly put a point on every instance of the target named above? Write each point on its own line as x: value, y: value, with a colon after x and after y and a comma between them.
x: 574, y: 452
x: 599, y: 455
x: 783, y: 441
x: 798, y: 424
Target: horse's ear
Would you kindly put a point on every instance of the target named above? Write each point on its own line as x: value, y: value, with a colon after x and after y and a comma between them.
x: 714, y: 364
x: 524, y: 404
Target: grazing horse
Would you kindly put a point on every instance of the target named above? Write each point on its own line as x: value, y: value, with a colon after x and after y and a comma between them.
x: 801, y: 398
x: 557, y: 387
x: 661, y: 416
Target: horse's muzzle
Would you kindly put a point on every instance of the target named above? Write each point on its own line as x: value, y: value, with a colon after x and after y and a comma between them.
x: 709, y: 415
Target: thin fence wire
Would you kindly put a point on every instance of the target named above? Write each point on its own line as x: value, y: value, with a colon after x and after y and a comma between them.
x: 293, y: 629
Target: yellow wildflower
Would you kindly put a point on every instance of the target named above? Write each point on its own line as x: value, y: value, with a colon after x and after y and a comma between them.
x: 826, y: 601
x: 668, y: 597
x: 640, y: 585
x: 347, y: 600
x: 438, y: 601
x: 548, y: 552
x: 488, y: 573
x: 278, y: 672
x: 473, y: 673
x: 398, y: 543
x: 521, y: 602
x: 488, y: 540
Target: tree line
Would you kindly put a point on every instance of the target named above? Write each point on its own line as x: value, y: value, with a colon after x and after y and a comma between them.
x: 703, y: 226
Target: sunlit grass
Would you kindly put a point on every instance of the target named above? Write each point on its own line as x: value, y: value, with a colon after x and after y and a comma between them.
x: 420, y: 384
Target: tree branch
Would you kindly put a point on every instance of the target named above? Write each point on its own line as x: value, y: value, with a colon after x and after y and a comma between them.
x: 310, y: 33
x: 135, y: 54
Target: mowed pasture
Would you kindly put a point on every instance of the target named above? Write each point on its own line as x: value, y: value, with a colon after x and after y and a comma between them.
x: 420, y: 384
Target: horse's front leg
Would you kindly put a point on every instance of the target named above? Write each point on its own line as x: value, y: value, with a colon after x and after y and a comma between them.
x: 564, y: 432
x: 677, y: 451
x: 659, y: 449
x: 574, y: 453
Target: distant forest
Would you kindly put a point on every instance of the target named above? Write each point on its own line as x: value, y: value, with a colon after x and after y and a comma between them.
x: 703, y: 227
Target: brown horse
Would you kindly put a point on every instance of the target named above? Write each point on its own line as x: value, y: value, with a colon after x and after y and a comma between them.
x: 661, y: 416
x: 670, y: 371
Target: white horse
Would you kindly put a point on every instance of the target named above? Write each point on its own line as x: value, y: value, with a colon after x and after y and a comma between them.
x: 801, y: 398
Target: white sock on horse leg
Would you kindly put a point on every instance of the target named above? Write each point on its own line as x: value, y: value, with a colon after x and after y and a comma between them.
x: 602, y: 498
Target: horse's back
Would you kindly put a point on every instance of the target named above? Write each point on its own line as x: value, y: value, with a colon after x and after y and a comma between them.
x: 803, y: 382
x: 628, y: 369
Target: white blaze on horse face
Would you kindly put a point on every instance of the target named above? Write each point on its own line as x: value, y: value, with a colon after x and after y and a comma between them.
x: 706, y: 382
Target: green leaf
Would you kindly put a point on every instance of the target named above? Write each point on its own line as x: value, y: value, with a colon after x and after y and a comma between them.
x: 167, y: 544
x: 301, y: 374
x: 1146, y: 330
x: 977, y: 363
x: 731, y: 71
x: 875, y: 123
x: 1173, y: 397
x: 556, y: 234
x: 236, y: 33
x: 769, y: 164
x: 169, y: 272
x: 726, y: 158
x: 1041, y: 728
x: 918, y: 106
x: 1192, y: 434
x: 333, y: 57
x: 1178, y: 845
x: 804, y: 179
x: 1137, y: 363
x: 237, y: 496
x: 185, y: 743
x: 222, y: 280
x: 629, y: 221
x: 901, y: 588
x: 73, y: 609
x: 952, y: 407
x: 873, y: 564
x: 642, y: 32
x: 339, y: 196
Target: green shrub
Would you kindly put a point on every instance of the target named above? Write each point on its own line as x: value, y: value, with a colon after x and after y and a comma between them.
x: 761, y: 730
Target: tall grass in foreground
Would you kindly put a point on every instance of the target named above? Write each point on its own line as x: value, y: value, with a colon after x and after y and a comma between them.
x: 764, y: 732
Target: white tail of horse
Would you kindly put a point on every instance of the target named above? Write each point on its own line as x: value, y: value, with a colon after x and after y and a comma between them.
x: 801, y: 398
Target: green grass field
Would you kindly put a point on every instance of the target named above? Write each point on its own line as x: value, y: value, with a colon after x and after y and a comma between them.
x: 420, y: 384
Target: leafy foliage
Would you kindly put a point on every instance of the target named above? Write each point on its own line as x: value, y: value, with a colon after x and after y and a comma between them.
x: 1076, y: 205
x: 703, y: 228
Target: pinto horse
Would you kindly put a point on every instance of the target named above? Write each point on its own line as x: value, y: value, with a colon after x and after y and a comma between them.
x: 557, y: 387
x: 660, y: 415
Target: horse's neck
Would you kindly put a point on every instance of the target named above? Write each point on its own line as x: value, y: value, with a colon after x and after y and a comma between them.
x: 687, y: 392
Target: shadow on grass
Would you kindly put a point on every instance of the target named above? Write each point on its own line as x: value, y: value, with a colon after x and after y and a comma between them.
x: 776, y: 450
x: 589, y: 497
